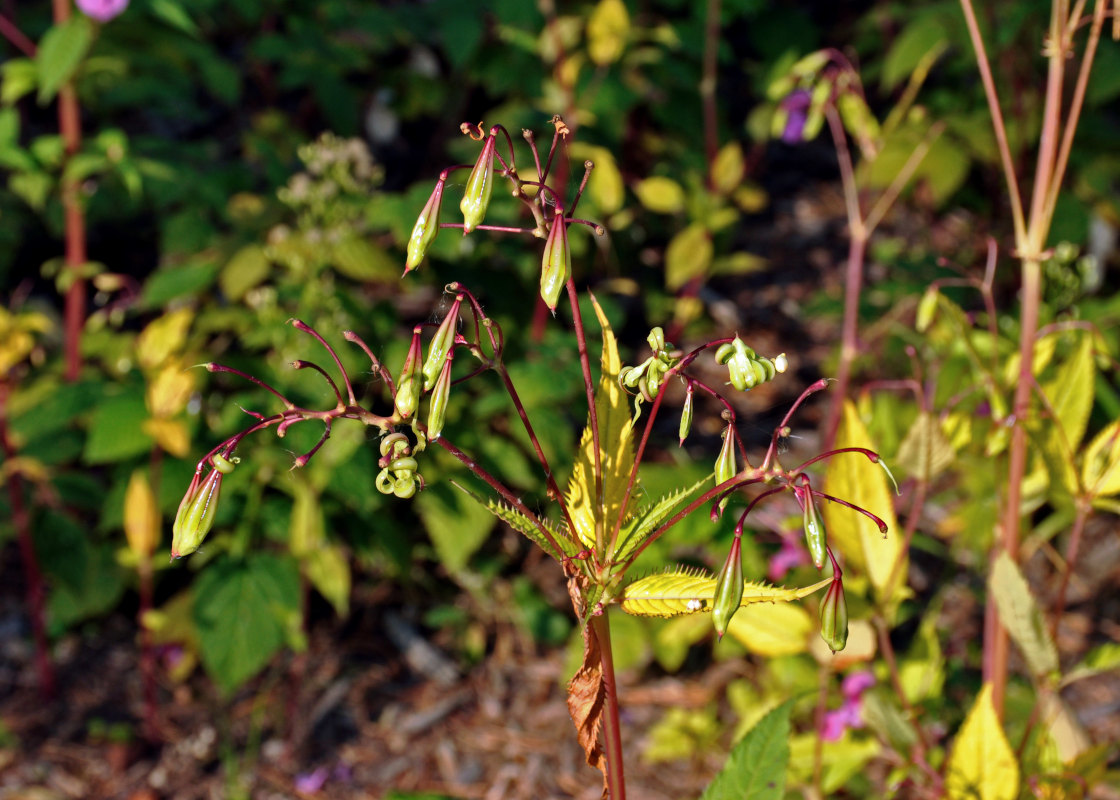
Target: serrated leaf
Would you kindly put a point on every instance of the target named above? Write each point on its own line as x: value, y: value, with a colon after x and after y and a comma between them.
x: 591, y: 512
x: 982, y: 766
x: 60, y: 52
x: 1100, y: 471
x: 925, y: 451
x: 1022, y: 617
x: 756, y: 768
x: 686, y: 591
x: 647, y: 520
x: 853, y: 478
x: 521, y: 523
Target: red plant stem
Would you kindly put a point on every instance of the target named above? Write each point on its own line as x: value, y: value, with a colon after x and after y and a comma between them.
x: 1084, y: 509
x: 612, y: 729
x: 10, y: 31
x: 70, y: 126
x: 708, y: 84
x: 147, y: 656
x: 35, y: 591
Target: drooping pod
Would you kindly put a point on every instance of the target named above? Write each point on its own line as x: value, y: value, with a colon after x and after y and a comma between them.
x: 439, y: 349
x: 437, y: 403
x: 199, y: 505
x: 425, y: 230
x: 834, y: 616
x: 726, y: 466
x: 412, y: 378
x: 815, y: 538
x: 480, y: 184
x: 556, y: 264
x: 686, y: 416
x: 729, y: 586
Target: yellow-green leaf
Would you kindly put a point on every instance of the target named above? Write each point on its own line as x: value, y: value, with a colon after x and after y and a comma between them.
x: 1021, y: 616
x: 141, y: 516
x: 686, y: 591
x: 853, y: 478
x: 591, y: 511
x: 925, y: 451
x: 1071, y: 395
x: 660, y: 195
x: 688, y: 256
x: 329, y: 572
x: 640, y: 525
x: 605, y: 188
x: 773, y: 630
x: 607, y: 29
x: 982, y: 766
x: 245, y: 270
x: 1101, y: 470
x: 306, y: 529
x: 728, y: 168
x: 163, y: 337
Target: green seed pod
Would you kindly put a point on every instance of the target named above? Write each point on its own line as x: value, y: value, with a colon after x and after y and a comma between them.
x: 927, y: 307
x: 395, y: 442
x: 195, y: 516
x: 686, y: 416
x: 425, y: 230
x: 440, y: 348
x: 656, y: 339
x: 411, y: 380
x: 724, y: 352
x: 476, y: 196
x: 814, y: 530
x: 726, y: 467
x: 556, y: 265
x: 729, y: 588
x: 834, y: 617
x: 437, y: 405
x: 384, y: 482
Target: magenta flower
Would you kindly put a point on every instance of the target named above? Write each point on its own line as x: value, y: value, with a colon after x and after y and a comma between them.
x: 791, y: 555
x: 102, y: 10
x: 849, y: 714
x: 312, y: 782
x: 796, y: 105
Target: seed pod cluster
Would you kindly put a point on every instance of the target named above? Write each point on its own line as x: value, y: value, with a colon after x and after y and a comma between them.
x: 747, y: 369
x: 398, y: 474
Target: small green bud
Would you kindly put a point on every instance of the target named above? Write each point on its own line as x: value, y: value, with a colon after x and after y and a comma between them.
x: 834, y: 616
x: 439, y: 349
x: 729, y: 587
x: 195, y: 516
x: 476, y: 196
x: 726, y: 467
x: 556, y: 265
x: 425, y: 230
x: 927, y: 307
x: 411, y: 380
x: 686, y: 416
x: 437, y: 405
x: 814, y: 529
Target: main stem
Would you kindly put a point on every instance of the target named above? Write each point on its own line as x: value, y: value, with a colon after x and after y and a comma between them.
x: 612, y: 730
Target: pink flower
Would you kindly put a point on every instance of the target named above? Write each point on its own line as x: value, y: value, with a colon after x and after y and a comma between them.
x: 849, y: 714
x: 791, y: 555
x: 102, y: 10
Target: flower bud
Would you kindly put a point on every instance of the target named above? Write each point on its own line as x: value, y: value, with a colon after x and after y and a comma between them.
x: 476, y: 197
x: 814, y: 529
x: 556, y: 265
x: 437, y: 405
x: 440, y: 347
x: 834, y: 616
x: 425, y: 230
x: 686, y: 416
x: 726, y: 467
x: 196, y: 511
x: 729, y: 587
x: 411, y: 380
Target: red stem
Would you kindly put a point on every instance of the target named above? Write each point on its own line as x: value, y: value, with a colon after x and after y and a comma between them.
x: 612, y: 729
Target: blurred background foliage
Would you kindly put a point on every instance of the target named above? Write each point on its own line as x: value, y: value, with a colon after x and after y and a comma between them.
x: 246, y: 163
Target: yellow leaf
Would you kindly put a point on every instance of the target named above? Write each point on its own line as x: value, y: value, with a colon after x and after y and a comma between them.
x: 329, y: 572
x: 685, y: 591
x: 982, y: 766
x: 170, y: 390
x: 925, y: 451
x: 163, y: 337
x: 1101, y: 470
x: 1071, y: 396
x: 169, y: 434
x: 688, y: 256
x: 773, y: 630
x: 728, y: 168
x: 591, y: 512
x: 851, y: 477
x: 660, y: 195
x: 141, y: 516
x: 605, y: 188
x: 750, y: 197
x: 306, y: 529
x: 607, y: 29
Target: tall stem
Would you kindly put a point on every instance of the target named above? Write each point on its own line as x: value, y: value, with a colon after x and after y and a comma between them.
x: 612, y: 730
x: 70, y: 127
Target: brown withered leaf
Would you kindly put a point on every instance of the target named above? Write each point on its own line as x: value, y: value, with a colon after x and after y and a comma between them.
x: 586, y: 691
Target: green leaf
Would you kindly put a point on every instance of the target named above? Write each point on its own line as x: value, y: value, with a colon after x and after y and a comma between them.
x: 524, y: 525
x: 360, y: 260
x: 853, y: 478
x: 457, y: 526
x: 329, y: 572
x: 982, y: 766
x: 616, y: 450
x: 116, y: 430
x: 174, y: 15
x: 99, y: 591
x: 1022, y: 618
x: 60, y: 52
x: 635, y: 531
x: 18, y: 77
x: 922, y: 35
x: 688, y: 256
x: 1071, y: 396
x: 688, y: 591
x: 1103, y: 658
x: 756, y: 768
x: 1101, y: 462
x: 167, y: 284
x: 243, y: 610
x: 245, y: 270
